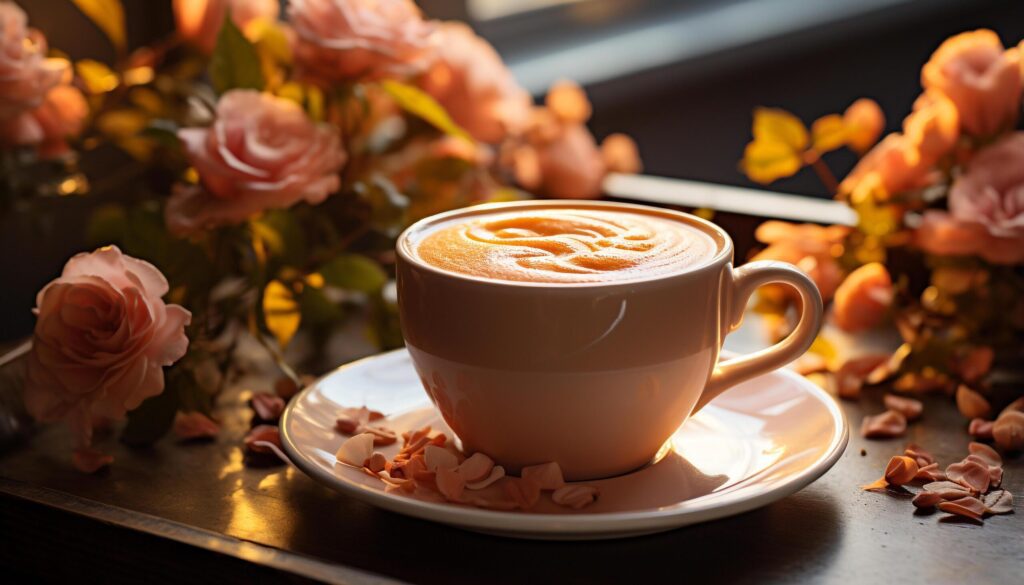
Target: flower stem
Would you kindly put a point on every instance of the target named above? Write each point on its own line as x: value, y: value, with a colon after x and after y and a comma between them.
x: 823, y: 172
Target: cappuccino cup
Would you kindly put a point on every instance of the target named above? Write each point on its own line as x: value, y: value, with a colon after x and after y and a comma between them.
x: 583, y: 333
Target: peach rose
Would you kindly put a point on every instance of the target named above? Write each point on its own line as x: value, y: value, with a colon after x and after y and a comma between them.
x: 809, y: 247
x: 102, y: 337
x: 340, y: 40
x: 262, y: 152
x: 61, y: 116
x: 931, y: 130
x: 865, y: 122
x: 571, y: 165
x: 981, y: 78
x: 26, y: 75
x: 199, y: 21
x: 862, y: 299
x: 986, y: 208
x: 472, y: 83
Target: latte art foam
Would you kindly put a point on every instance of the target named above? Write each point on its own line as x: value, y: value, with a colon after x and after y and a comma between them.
x: 571, y: 245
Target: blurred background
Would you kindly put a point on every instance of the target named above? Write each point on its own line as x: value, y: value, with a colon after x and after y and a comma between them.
x: 680, y: 76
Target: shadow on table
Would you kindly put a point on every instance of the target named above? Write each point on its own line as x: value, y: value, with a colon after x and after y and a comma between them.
x: 763, y: 545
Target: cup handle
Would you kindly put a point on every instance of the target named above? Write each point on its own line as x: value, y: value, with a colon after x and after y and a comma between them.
x: 745, y: 280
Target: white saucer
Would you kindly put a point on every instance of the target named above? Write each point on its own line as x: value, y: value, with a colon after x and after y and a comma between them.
x: 756, y: 443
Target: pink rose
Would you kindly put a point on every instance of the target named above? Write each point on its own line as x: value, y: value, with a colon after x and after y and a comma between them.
x: 986, y: 208
x: 340, y: 40
x: 26, y: 75
x: 199, y: 21
x: 981, y: 78
x: 262, y: 152
x: 61, y: 116
x: 102, y: 337
x: 472, y: 83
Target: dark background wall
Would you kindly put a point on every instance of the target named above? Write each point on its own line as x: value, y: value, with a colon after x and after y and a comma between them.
x: 691, y: 121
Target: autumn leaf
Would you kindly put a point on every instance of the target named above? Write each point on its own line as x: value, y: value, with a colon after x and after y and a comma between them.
x: 281, y: 312
x: 108, y: 15
x: 775, y: 125
x: 420, y: 104
x: 765, y: 161
x: 97, y: 77
x: 354, y: 272
x: 828, y: 133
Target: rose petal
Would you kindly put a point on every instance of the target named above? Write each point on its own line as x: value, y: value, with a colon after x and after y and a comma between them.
x: 970, y: 474
x: 998, y: 502
x: 575, y: 496
x: 476, y: 468
x: 887, y: 425
x: 439, y: 458
x: 497, y: 472
x: 264, y: 434
x: 900, y: 470
x: 523, y: 492
x: 971, y: 404
x: 1008, y: 431
x: 268, y: 406
x: 450, y: 483
x: 927, y: 499
x: 194, y: 425
x: 908, y: 407
x: 356, y: 450
x: 547, y: 476
x: 968, y: 507
x: 89, y: 460
x: 980, y: 429
x: 986, y: 453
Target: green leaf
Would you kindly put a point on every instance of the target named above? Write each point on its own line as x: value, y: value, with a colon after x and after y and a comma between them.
x: 154, y: 417
x: 354, y: 272
x: 317, y: 309
x: 420, y: 104
x: 235, y: 63
x: 108, y: 15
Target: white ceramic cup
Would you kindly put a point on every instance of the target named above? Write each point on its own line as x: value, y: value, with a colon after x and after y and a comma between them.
x: 595, y: 376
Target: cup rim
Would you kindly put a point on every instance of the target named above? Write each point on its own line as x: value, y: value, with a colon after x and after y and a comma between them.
x: 723, y: 255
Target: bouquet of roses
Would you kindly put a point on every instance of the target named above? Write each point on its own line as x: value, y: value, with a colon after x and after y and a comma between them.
x: 265, y: 164
x: 938, y: 249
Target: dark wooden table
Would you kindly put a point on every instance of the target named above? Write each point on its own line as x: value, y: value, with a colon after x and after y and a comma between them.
x: 198, y: 512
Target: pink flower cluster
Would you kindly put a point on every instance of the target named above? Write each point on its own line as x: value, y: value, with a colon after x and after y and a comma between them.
x: 38, y: 105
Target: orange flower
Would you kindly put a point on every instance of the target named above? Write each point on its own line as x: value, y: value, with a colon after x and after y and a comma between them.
x: 863, y: 298
x: 199, y: 21
x: 981, y: 78
x: 932, y: 129
x: 864, y: 123
x: 809, y: 247
x: 895, y: 165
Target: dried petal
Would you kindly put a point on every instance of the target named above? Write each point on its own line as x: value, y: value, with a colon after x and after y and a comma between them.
x: 908, y: 407
x: 947, y: 489
x: 476, y: 468
x: 497, y: 472
x: 575, y: 496
x: 970, y: 474
x: 194, y: 425
x: 356, y: 450
x: 524, y: 492
x: 930, y: 472
x: 900, y: 470
x: 285, y: 387
x: 851, y: 375
x: 89, y: 460
x: 381, y: 435
x: 268, y: 407
x: 919, y: 454
x: 878, y: 484
x: 986, y: 453
x: 998, y: 502
x: 439, y: 458
x: 971, y: 404
x: 980, y: 429
x: 1008, y: 431
x: 976, y: 363
x: 377, y: 462
x: 346, y: 425
x: 548, y: 475
x: 264, y: 434
x: 450, y: 484
x: 884, y: 426
x: 969, y: 507
x: 927, y: 499
x: 493, y: 502
x: 1015, y: 406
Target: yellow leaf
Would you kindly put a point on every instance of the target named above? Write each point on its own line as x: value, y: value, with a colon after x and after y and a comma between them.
x: 108, y: 15
x: 122, y: 123
x: 775, y: 125
x: 828, y: 133
x: 270, y: 40
x: 98, y: 78
x: 827, y: 350
x: 420, y: 104
x: 291, y: 90
x: 281, y: 312
x: 765, y: 161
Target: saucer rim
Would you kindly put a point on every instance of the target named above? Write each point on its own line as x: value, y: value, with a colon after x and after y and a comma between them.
x: 704, y: 508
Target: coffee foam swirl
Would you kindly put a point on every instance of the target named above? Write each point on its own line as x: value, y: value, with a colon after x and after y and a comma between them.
x: 573, y: 245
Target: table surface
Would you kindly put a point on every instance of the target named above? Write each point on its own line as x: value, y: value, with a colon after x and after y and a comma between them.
x: 206, y: 498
